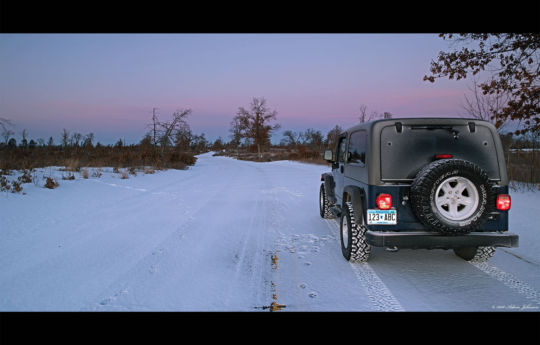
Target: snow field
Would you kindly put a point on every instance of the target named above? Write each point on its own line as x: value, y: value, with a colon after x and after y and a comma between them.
x: 228, y: 235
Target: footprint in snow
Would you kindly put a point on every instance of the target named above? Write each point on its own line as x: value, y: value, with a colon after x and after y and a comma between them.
x: 109, y: 300
x: 105, y: 301
x: 313, y: 294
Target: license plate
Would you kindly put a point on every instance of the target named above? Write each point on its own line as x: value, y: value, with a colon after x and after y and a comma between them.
x: 381, y: 217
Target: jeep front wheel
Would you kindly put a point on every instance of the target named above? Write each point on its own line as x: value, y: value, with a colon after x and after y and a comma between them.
x: 353, y: 236
x: 324, y: 205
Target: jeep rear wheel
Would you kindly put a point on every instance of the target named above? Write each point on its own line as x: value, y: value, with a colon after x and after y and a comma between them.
x: 324, y: 205
x: 353, y: 236
x: 452, y: 196
x: 475, y: 254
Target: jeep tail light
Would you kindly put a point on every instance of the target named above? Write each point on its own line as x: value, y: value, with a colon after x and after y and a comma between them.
x: 384, y: 201
x: 503, y: 202
x: 443, y: 156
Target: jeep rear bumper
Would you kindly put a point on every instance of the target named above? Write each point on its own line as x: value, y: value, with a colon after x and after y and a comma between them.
x: 432, y: 240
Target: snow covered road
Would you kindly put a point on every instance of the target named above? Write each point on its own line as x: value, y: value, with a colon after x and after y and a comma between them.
x: 228, y: 235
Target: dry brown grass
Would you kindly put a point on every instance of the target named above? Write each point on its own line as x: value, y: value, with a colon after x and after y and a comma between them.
x: 277, y: 154
x: 72, y: 165
x: 523, y: 166
x: 73, y: 158
x: 124, y: 174
x: 84, y: 172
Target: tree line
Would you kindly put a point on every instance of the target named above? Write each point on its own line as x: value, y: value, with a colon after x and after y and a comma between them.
x: 510, y: 94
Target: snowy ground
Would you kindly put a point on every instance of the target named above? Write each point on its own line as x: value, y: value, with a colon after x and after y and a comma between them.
x: 228, y: 235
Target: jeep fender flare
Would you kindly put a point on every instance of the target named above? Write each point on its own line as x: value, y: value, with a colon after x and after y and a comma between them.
x: 329, y: 186
x: 357, y: 197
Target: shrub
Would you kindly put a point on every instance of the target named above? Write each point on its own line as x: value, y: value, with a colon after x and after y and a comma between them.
x: 97, y: 172
x: 26, y: 177
x: 16, y: 187
x: 69, y: 176
x: 4, y: 184
x: 51, y: 183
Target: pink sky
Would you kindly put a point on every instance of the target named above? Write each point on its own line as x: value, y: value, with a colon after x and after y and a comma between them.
x: 108, y: 84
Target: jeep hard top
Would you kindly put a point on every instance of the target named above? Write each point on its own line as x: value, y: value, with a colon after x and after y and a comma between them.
x: 419, y: 183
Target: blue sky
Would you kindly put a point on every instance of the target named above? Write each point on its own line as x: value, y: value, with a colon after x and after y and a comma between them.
x: 108, y: 83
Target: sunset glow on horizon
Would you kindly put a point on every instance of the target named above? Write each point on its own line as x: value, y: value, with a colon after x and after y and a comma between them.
x: 108, y: 84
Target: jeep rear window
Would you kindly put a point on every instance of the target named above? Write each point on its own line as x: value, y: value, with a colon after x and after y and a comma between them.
x: 404, y: 154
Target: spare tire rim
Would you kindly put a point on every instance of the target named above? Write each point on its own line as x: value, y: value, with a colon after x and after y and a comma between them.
x: 456, y: 198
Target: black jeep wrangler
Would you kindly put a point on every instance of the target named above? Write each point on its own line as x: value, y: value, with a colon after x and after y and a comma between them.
x: 419, y: 183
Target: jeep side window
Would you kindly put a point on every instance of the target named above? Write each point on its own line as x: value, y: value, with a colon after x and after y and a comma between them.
x: 341, y: 149
x: 357, y: 148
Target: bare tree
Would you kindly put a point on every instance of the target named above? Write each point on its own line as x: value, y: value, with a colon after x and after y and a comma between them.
x: 365, y: 117
x: 24, y: 141
x: 332, y: 136
x: 88, y: 140
x: 238, y: 129
x: 183, y: 137
x: 291, y: 138
x: 486, y: 106
x: 238, y: 132
x: 313, y: 139
x: 6, y: 131
x: 75, y: 139
x: 254, y: 123
x: 155, y: 125
x: 169, y: 130
x: 65, y: 138
x: 199, y: 143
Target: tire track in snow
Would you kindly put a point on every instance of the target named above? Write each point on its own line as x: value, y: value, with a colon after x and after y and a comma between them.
x: 378, y: 293
x: 509, y: 280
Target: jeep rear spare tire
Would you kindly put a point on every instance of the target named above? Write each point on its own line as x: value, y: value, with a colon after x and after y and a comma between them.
x: 452, y: 196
